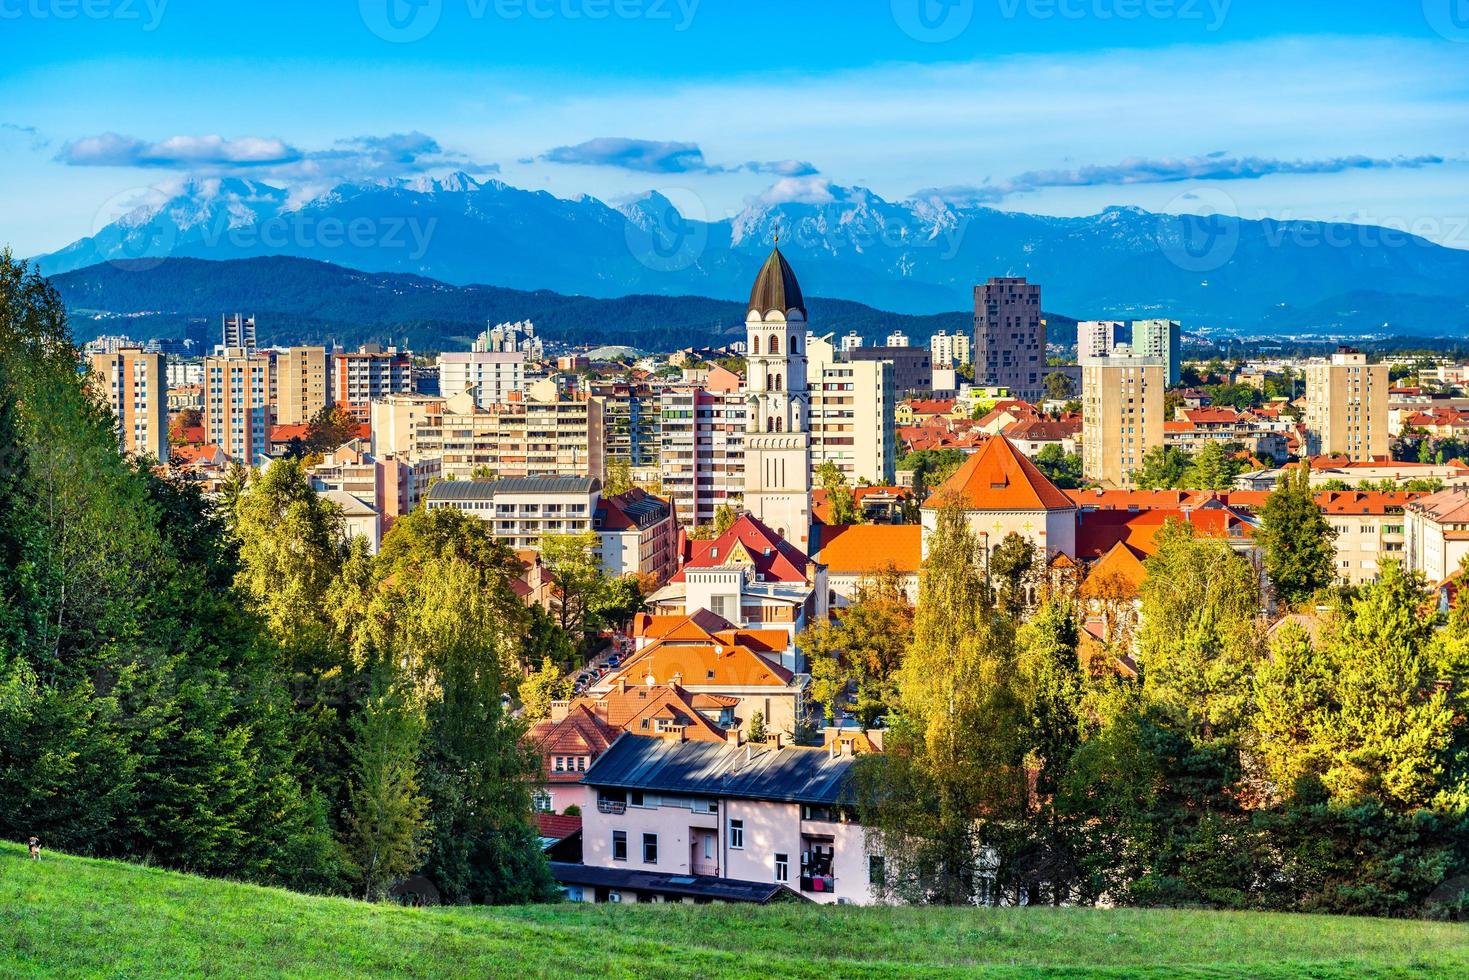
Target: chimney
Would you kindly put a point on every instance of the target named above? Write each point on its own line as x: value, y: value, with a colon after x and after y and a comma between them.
x: 749, y: 751
x: 834, y: 748
x: 846, y: 748
x: 777, y: 739
x: 621, y: 683
x: 677, y: 680
x: 559, y: 710
x: 739, y: 734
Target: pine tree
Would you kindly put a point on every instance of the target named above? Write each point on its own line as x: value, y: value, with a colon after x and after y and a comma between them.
x: 387, y: 828
x: 1300, y: 558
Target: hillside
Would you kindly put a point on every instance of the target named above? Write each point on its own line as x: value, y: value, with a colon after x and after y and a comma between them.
x: 303, y: 300
x: 69, y: 916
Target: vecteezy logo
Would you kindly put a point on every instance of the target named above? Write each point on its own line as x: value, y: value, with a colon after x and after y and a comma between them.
x: 665, y: 237
x: 1450, y: 18
x: 1204, y: 236
x: 933, y: 21
x: 401, y: 21
x: 130, y: 232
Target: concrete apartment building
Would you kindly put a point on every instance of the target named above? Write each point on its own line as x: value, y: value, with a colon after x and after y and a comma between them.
x: 1346, y: 406
x: 411, y: 426
x: 852, y: 407
x: 630, y: 418
x: 535, y: 433
x: 370, y: 373
x: 133, y: 383
x: 1437, y: 532
x: 695, y: 820
x: 912, y: 367
x: 237, y: 402
x: 947, y: 350
x: 303, y: 384
x: 1122, y: 416
x: 237, y: 331
x: 491, y: 375
x: 1009, y: 337
x: 1370, y: 529
x: 1096, y: 338
x: 636, y: 533
x: 1160, y: 339
x: 701, y: 438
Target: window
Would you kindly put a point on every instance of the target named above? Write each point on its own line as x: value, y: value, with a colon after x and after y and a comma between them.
x: 542, y: 802
x: 737, y: 834
x: 619, y: 845
x: 650, y: 848
x: 877, y: 870
x: 635, y: 798
x: 782, y: 867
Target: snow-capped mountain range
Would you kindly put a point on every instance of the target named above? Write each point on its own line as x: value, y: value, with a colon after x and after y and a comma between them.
x: 922, y: 255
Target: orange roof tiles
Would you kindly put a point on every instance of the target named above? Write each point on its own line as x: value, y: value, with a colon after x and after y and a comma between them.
x: 870, y: 548
x: 1000, y: 477
x: 1123, y: 564
x: 701, y: 663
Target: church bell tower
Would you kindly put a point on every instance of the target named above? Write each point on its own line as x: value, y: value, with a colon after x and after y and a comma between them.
x: 778, y: 406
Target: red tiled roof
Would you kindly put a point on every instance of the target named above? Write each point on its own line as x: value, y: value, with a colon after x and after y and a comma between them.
x: 285, y: 433
x: 1123, y: 563
x: 932, y: 406
x: 557, y: 826
x: 1043, y: 430
x: 1000, y: 477
x: 581, y: 732
x: 748, y: 539
x: 1100, y: 530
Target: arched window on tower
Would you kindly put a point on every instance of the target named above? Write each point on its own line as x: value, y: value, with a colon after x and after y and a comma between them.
x: 780, y: 425
x: 795, y: 345
x: 770, y: 423
x: 779, y: 384
x: 775, y: 345
x: 755, y: 344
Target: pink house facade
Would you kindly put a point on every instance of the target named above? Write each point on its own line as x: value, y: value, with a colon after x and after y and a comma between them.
x: 688, y: 821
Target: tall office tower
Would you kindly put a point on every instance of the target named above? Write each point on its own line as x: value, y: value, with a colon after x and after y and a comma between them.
x: 778, y: 424
x: 238, y: 331
x: 1346, y: 406
x: 302, y: 384
x: 1096, y: 338
x: 897, y: 339
x: 1121, y: 416
x: 947, y: 350
x: 369, y: 374
x: 490, y: 375
x: 134, y: 385
x: 237, y: 406
x: 1160, y: 339
x: 852, y: 404
x: 1009, y: 338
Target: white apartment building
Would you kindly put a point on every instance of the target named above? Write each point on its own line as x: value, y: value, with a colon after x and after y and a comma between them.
x: 1346, y: 406
x: 1096, y: 338
x: 520, y: 512
x: 852, y: 406
x: 491, y: 375
x: 851, y: 341
x: 948, y: 350
x: 897, y: 339
x: 1437, y: 529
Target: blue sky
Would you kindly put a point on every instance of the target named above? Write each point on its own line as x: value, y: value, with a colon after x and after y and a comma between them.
x: 1353, y: 109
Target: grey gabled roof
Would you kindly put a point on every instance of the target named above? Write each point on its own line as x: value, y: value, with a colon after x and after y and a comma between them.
x: 485, y: 489
x: 663, y: 883
x: 752, y: 772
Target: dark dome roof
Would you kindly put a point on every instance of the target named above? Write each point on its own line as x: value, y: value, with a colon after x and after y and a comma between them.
x: 776, y: 287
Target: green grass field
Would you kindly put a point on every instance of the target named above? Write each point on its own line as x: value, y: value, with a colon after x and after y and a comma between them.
x: 67, y: 916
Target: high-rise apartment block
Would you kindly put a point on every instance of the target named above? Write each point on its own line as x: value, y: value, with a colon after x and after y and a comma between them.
x: 851, y: 341
x: 1159, y: 339
x: 1096, y: 338
x: 630, y: 414
x: 1122, y: 416
x: 897, y: 339
x: 947, y: 350
x: 134, y: 385
x: 1009, y: 337
x: 852, y: 405
x: 490, y: 375
x: 411, y: 426
x: 237, y: 402
x: 1346, y: 406
x: 302, y: 384
x: 537, y: 432
x: 701, y: 435
x: 238, y: 331
x: 371, y: 373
